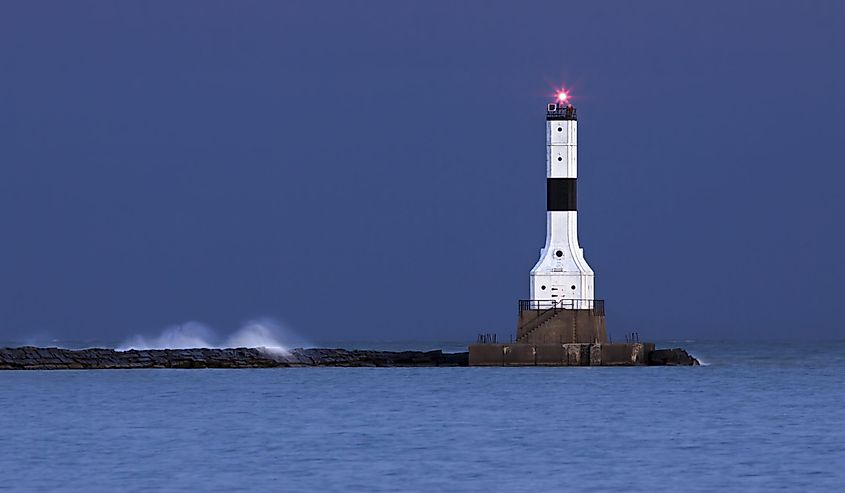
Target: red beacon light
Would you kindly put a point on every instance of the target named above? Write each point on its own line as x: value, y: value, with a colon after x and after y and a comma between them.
x: 562, y: 96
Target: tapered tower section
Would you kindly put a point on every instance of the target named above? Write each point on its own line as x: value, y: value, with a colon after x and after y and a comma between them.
x: 562, y: 272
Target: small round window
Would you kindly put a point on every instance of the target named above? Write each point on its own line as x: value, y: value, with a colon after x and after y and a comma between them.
x: 559, y: 253
x: 573, y: 287
x: 543, y: 288
x: 559, y: 129
x: 559, y: 158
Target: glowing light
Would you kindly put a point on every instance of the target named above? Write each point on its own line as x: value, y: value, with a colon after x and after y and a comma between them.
x: 562, y: 96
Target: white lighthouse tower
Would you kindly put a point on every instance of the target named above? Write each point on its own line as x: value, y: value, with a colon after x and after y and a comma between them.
x: 562, y: 276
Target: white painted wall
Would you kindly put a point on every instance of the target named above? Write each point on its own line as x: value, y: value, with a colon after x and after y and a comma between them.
x: 562, y: 149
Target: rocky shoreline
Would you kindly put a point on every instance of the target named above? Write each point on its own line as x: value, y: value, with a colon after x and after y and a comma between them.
x: 35, y: 358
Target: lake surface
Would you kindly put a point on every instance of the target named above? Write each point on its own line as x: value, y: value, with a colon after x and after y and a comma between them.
x: 763, y: 417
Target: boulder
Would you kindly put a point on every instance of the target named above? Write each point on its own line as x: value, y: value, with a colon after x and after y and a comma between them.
x: 671, y: 357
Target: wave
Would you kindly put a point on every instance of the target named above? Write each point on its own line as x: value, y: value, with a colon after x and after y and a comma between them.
x: 700, y: 361
x: 261, y: 333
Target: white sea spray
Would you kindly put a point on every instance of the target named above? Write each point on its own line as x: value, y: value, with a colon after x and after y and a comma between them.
x: 264, y: 333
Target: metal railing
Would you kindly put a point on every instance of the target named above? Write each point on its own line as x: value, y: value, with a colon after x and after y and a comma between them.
x: 597, y: 306
x: 561, y: 112
x: 487, y: 339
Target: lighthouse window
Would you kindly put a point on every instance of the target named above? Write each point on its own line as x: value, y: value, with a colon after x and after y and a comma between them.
x: 559, y: 158
x: 573, y: 287
x: 543, y: 288
x: 559, y: 129
x: 559, y: 253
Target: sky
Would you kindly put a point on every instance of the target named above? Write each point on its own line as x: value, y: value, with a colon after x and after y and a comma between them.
x: 376, y: 170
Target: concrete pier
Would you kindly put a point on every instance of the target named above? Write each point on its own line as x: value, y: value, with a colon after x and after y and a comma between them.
x: 597, y: 354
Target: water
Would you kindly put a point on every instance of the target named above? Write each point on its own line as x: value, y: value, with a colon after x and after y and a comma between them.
x: 758, y: 418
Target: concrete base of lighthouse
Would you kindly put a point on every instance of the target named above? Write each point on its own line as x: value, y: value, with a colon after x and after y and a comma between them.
x: 564, y: 322
x: 562, y: 327
x: 565, y: 333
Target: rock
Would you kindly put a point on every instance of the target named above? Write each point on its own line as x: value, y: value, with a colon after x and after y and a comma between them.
x: 671, y: 357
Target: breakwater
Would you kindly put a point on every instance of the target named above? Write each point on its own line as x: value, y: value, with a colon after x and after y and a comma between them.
x: 34, y: 358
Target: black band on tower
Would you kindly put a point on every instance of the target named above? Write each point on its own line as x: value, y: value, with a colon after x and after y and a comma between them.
x: 560, y: 194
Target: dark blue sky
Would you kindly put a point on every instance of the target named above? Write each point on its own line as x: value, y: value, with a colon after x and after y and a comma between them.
x: 375, y: 170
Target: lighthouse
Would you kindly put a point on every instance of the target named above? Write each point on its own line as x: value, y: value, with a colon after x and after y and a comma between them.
x: 562, y: 323
x: 562, y: 307
x: 562, y: 276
